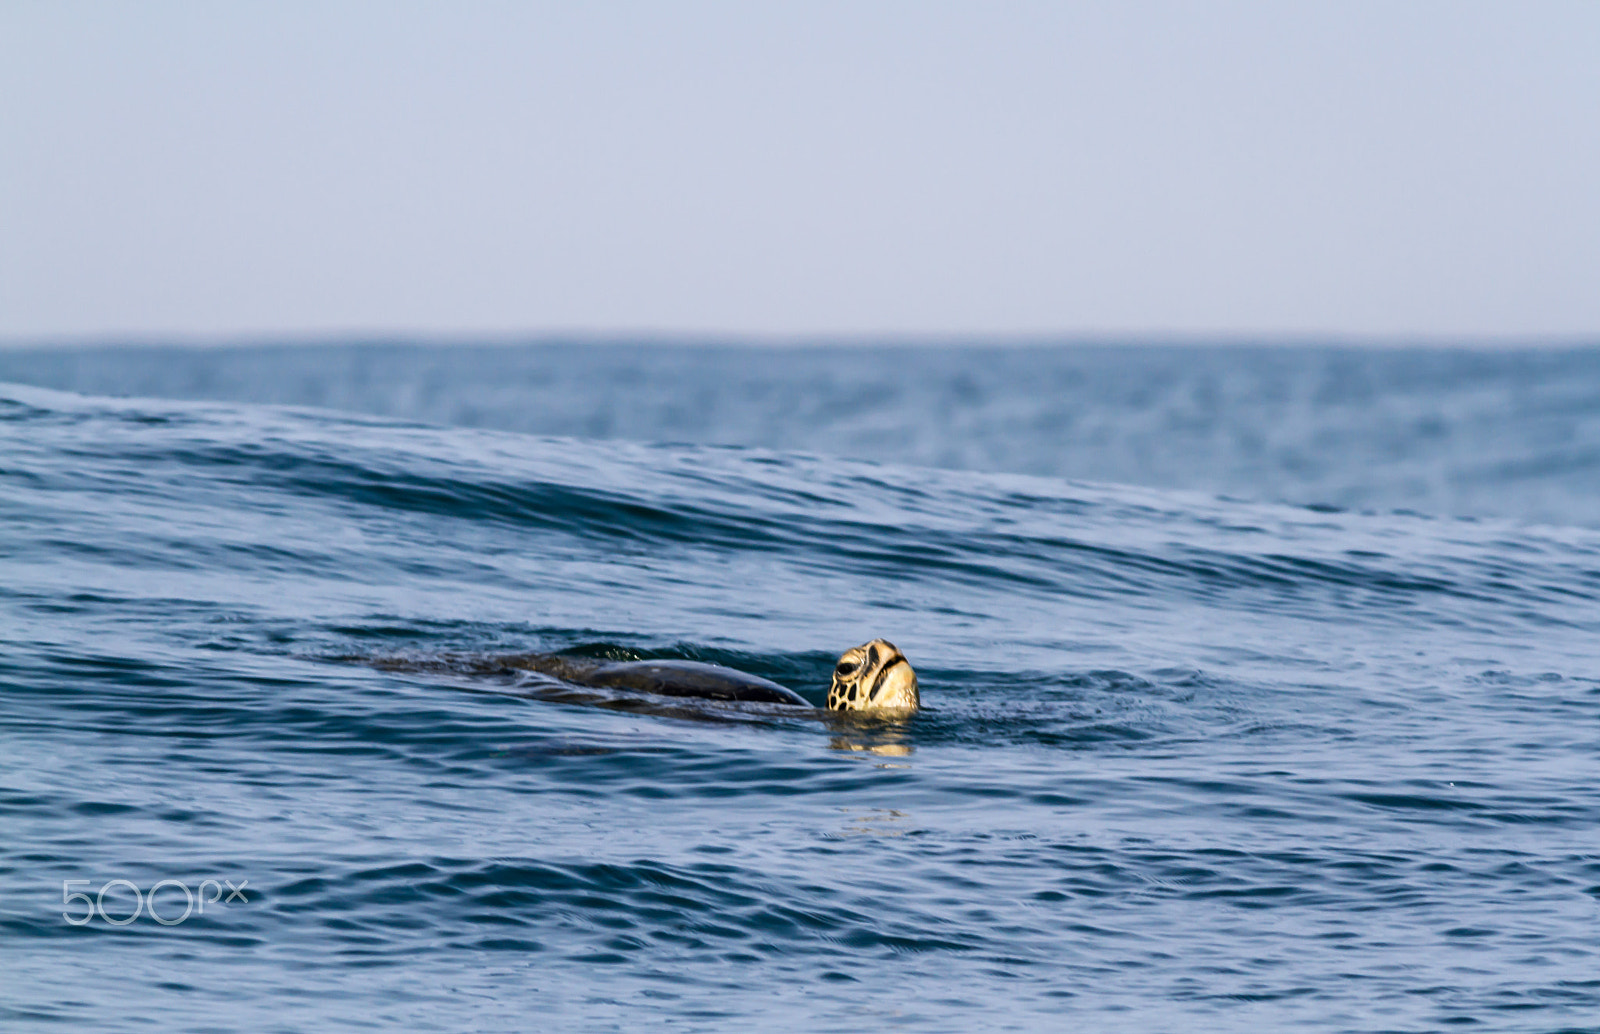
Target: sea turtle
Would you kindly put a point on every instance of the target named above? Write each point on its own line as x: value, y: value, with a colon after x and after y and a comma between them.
x: 872, y: 676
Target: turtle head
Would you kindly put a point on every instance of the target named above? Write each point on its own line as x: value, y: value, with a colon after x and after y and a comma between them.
x: 873, y: 675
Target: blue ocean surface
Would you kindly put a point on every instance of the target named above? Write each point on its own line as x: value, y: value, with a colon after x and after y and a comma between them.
x: 1261, y: 688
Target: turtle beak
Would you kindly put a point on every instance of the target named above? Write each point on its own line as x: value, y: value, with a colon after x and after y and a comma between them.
x: 894, y: 684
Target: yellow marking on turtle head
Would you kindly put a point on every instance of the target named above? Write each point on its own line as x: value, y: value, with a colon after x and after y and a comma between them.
x: 871, y: 677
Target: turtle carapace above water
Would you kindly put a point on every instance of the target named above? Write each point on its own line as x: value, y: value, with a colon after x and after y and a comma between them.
x: 872, y: 676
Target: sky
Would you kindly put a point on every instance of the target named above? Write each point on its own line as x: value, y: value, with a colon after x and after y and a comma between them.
x: 1380, y: 170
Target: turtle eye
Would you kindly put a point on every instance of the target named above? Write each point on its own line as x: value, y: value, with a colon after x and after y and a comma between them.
x: 845, y: 669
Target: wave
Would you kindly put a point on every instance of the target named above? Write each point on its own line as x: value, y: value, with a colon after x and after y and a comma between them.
x: 1175, y: 747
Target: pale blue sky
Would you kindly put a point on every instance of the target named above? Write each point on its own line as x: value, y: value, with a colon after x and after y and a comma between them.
x: 1368, y: 169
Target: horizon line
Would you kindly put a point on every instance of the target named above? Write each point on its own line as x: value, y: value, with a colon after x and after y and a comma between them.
x: 314, y: 337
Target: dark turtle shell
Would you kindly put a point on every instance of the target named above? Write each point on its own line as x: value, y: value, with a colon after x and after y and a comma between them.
x: 687, y: 679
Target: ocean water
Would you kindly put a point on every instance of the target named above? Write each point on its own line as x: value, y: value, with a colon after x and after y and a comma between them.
x: 1262, y: 689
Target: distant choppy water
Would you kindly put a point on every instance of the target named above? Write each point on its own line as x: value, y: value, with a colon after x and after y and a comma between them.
x: 1444, y: 432
x: 1187, y: 762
